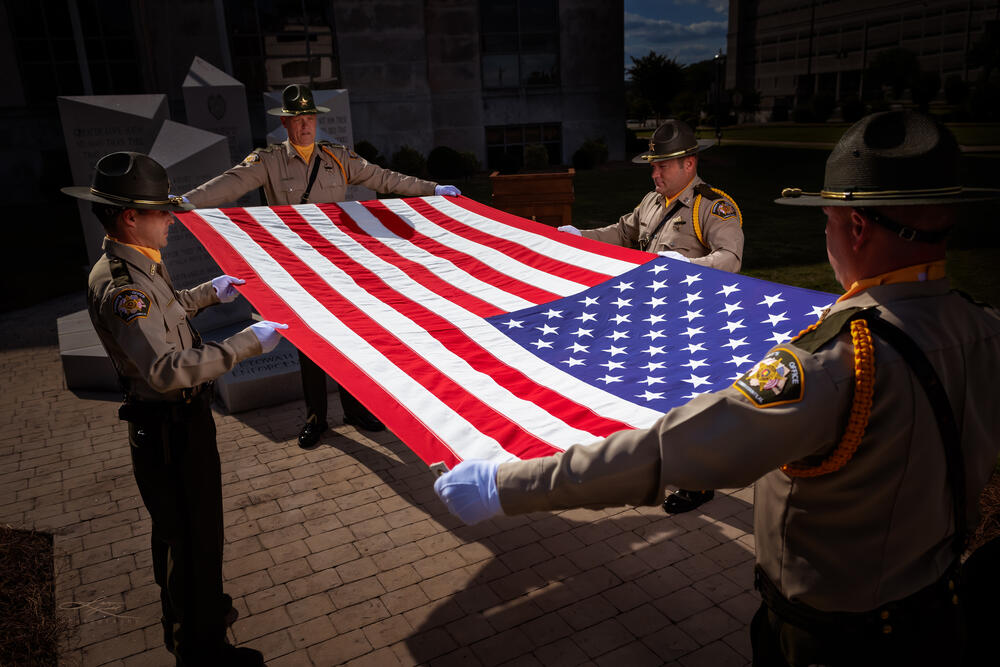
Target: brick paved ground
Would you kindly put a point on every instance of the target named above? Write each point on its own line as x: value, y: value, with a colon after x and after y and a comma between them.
x: 344, y: 555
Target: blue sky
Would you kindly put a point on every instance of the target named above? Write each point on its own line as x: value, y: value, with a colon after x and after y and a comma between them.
x: 685, y: 30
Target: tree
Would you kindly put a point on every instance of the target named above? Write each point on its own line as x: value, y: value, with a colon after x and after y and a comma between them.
x: 656, y: 79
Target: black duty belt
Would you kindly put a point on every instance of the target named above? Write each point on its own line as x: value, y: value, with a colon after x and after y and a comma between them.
x: 879, y: 621
x: 139, y: 411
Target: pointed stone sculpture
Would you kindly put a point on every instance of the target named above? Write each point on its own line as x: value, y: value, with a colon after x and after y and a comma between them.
x: 216, y: 102
x: 192, y: 156
x: 96, y: 125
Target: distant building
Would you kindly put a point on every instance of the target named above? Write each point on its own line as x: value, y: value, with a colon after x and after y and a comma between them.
x: 789, y: 50
x: 486, y: 76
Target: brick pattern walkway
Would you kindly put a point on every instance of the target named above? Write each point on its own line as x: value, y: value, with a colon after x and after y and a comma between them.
x: 344, y: 555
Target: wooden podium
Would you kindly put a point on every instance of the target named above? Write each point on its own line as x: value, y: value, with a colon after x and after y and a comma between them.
x: 545, y: 197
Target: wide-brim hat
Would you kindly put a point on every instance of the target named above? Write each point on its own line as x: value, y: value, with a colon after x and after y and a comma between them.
x: 892, y: 158
x: 671, y: 140
x: 296, y: 100
x: 130, y: 180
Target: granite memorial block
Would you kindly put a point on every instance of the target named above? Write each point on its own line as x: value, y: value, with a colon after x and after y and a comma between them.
x: 85, y: 363
x: 96, y: 125
x: 334, y: 126
x: 191, y: 157
x: 268, y: 379
x: 216, y: 102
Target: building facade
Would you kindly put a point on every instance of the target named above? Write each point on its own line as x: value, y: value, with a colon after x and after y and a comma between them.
x: 484, y: 76
x: 790, y: 50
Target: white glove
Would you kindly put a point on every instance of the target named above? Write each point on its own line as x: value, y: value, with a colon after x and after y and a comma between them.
x: 569, y: 229
x: 267, y: 334
x: 225, y: 287
x: 469, y: 491
x: 673, y: 254
x: 447, y: 190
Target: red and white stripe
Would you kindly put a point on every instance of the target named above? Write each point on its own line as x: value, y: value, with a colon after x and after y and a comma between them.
x: 389, y: 297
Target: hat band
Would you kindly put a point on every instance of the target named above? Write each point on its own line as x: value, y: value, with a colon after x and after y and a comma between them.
x: 888, y: 195
x: 171, y: 199
x: 891, y: 194
x: 679, y: 153
x: 298, y: 111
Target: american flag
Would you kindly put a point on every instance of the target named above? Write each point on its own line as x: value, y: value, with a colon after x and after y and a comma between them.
x: 472, y: 333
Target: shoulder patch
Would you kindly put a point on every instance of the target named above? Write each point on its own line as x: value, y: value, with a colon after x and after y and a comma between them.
x: 776, y: 379
x: 250, y: 159
x: 130, y: 304
x: 723, y: 209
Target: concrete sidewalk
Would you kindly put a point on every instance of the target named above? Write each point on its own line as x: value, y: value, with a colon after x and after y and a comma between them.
x: 344, y: 554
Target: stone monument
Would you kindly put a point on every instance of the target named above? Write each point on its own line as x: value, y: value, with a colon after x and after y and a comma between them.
x: 100, y: 124
x: 191, y: 157
x: 216, y: 102
x: 334, y: 126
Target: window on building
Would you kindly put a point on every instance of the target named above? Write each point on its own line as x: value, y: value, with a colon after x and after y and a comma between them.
x: 505, y: 144
x: 46, y: 46
x: 278, y: 42
x: 520, y: 43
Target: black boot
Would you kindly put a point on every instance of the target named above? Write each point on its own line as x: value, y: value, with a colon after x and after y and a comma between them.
x: 356, y: 414
x: 310, y: 433
x: 684, y: 500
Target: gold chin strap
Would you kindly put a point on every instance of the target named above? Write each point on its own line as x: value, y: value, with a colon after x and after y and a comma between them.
x: 887, y: 195
x: 171, y: 199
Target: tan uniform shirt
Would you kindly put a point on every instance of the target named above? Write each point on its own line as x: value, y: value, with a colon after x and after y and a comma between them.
x: 876, y: 530
x: 714, y: 238
x: 283, y: 174
x: 143, y: 325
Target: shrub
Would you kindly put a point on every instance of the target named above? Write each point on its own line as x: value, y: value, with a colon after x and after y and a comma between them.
x: 368, y: 151
x: 470, y: 163
x: 591, y: 153
x: 409, y: 161
x: 444, y: 162
x: 536, y: 156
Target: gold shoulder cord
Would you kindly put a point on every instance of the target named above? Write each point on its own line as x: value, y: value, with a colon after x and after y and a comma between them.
x: 339, y: 164
x: 864, y: 380
x: 696, y: 219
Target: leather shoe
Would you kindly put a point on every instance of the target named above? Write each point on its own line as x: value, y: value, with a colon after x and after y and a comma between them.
x: 364, y: 420
x: 684, y: 500
x: 309, y: 435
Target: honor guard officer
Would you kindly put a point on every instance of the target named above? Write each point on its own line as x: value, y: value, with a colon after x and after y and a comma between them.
x: 302, y: 170
x: 868, y: 459
x: 684, y: 218
x: 166, y: 372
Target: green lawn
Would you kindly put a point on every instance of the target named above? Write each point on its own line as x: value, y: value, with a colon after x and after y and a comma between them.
x: 786, y: 243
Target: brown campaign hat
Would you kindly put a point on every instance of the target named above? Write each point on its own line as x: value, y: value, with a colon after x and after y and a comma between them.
x: 130, y: 180
x: 671, y: 140
x: 296, y: 100
x: 892, y: 158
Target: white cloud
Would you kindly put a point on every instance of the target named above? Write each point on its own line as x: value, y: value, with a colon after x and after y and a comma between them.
x: 718, y: 6
x: 687, y: 43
